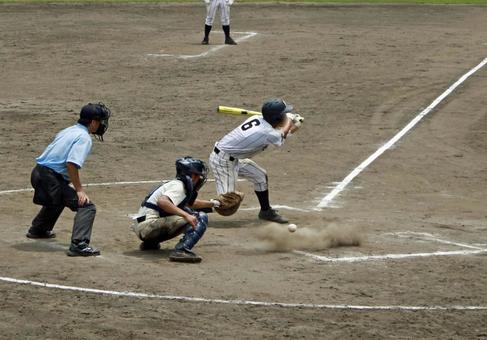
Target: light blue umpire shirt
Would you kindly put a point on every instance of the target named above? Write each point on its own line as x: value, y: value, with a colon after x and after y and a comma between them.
x: 72, y: 145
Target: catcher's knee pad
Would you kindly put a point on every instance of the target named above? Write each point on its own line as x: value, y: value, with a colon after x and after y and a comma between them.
x: 202, y: 218
x: 192, y: 236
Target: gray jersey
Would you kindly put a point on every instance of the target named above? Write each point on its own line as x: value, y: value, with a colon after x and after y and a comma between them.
x: 250, y: 138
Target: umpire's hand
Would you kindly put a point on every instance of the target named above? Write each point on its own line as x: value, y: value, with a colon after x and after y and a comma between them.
x: 82, y: 198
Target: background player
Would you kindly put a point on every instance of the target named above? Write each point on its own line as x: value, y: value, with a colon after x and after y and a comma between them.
x: 211, y: 7
x: 167, y: 211
x: 231, y: 155
x: 59, y: 165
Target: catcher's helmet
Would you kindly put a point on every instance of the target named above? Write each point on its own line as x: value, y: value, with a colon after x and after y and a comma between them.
x: 187, y: 166
x: 98, y: 112
x: 274, y: 110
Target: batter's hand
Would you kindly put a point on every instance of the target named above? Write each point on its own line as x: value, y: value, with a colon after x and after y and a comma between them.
x: 296, y: 118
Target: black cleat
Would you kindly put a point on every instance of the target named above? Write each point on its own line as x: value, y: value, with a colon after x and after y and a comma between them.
x: 230, y: 41
x: 36, y: 233
x: 184, y: 255
x: 273, y: 216
x: 205, y: 41
x: 82, y: 249
x: 146, y: 245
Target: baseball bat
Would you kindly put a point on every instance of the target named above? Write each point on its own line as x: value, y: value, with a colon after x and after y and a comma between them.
x: 236, y: 111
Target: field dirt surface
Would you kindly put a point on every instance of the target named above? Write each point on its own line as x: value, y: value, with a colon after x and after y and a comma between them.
x: 368, y: 266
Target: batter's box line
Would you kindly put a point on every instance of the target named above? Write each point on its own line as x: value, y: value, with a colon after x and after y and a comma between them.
x: 247, y: 35
x: 431, y: 237
x: 423, y: 236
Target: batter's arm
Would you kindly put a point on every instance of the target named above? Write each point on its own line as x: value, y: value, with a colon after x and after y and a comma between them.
x: 288, y: 127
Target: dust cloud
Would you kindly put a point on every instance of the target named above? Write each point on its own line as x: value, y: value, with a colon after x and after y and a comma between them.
x: 276, y: 237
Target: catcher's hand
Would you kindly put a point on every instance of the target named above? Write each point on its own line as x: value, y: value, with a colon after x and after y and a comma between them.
x: 296, y: 118
x: 229, y: 203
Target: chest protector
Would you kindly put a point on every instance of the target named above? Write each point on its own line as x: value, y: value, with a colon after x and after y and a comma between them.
x: 191, y: 195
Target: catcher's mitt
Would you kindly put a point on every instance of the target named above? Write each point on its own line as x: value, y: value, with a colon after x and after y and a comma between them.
x: 229, y: 203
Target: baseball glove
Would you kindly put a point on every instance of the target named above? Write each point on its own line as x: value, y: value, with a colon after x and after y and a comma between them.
x: 296, y: 118
x: 229, y: 203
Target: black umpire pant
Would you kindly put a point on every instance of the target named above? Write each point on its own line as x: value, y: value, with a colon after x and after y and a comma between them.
x: 53, y: 192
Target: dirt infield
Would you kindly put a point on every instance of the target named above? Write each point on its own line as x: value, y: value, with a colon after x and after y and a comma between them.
x: 358, y: 74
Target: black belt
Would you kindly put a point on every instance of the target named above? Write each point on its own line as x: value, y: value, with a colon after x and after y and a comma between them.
x: 217, y: 151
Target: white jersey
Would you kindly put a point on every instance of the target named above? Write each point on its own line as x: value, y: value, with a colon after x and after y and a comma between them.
x: 250, y: 138
x: 173, y: 189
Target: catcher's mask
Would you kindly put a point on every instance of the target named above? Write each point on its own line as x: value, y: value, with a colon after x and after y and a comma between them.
x: 188, y: 166
x: 274, y: 110
x: 97, y: 112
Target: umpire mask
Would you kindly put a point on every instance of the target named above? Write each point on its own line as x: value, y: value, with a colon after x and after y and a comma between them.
x: 97, y: 112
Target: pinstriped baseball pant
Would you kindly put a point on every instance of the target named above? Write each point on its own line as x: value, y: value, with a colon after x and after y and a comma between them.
x: 224, y: 12
x: 226, y: 173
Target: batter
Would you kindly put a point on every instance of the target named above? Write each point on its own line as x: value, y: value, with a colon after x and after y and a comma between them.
x: 231, y: 155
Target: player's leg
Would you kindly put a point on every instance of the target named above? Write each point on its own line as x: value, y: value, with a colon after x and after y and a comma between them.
x: 225, y: 19
x: 44, y: 222
x: 82, y: 224
x: 154, y: 230
x: 258, y: 176
x: 46, y: 193
x: 211, y: 8
x: 183, y: 250
x: 224, y: 171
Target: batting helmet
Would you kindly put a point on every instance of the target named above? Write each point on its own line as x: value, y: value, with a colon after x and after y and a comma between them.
x: 98, y: 112
x: 187, y: 166
x: 274, y: 110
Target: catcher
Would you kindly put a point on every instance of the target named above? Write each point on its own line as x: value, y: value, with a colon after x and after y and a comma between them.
x: 171, y: 209
x: 231, y: 156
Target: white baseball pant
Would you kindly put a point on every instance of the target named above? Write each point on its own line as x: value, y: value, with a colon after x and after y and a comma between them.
x: 211, y: 8
x: 227, y: 172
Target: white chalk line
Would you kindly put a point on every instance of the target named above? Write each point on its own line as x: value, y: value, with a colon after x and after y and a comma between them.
x: 102, y: 184
x: 237, y: 302
x: 431, y: 237
x: 325, y: 202
x: 351, y: 259
x: 212, y: 49
x: 277, y: 206
x: 422, y: 236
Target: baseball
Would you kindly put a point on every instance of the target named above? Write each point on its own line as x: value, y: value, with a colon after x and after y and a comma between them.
x: 292, y: 227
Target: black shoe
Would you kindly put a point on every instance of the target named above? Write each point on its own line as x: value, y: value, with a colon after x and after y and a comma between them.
x: 184, y: 255
x: 36, y: 233
x: 273, y: 216
x: 82, y: 249
x: 230, y: 41
x: 146, y: 245
x: 205, y: 41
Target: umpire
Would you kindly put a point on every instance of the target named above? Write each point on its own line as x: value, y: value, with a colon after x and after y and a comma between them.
x: 58, y: 166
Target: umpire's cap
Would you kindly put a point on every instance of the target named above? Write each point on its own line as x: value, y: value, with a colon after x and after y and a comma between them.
x: 274, y: 110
